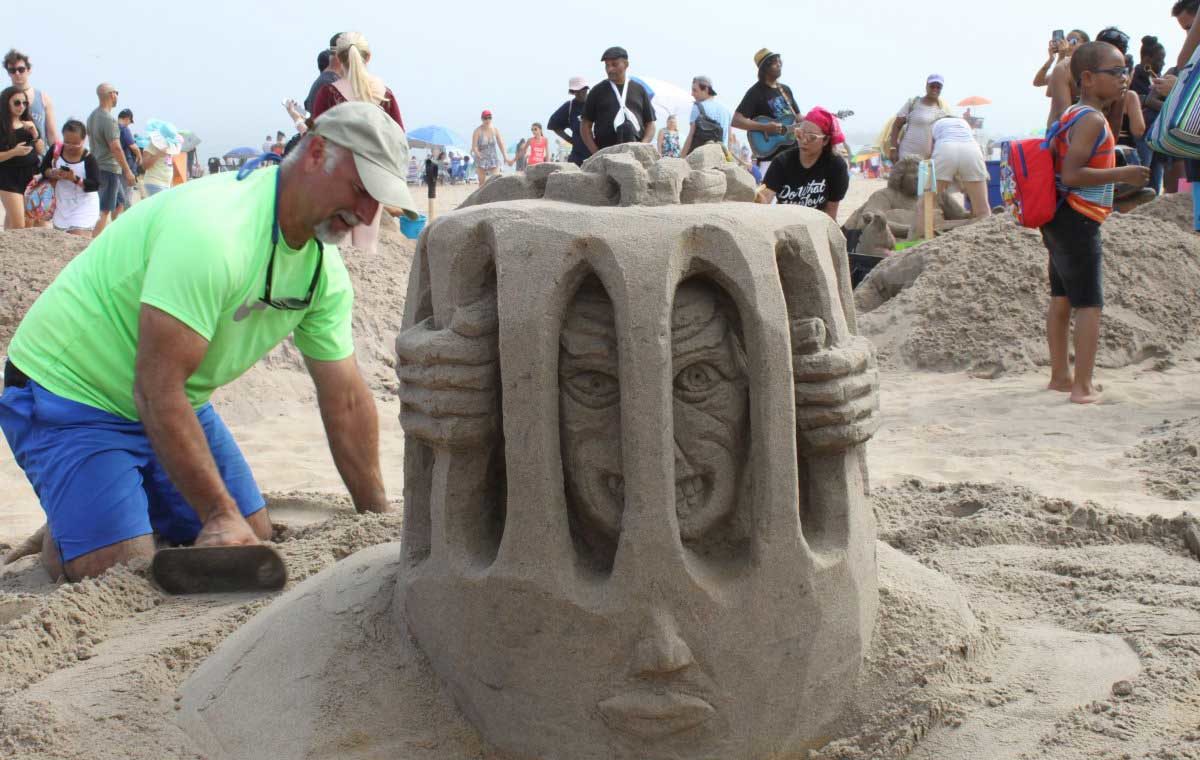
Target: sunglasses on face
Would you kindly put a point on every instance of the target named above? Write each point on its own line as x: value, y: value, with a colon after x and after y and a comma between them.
x: 1116, y: 71
x: 19, y: 104
x: 807, y: 137
x: 18, y: 70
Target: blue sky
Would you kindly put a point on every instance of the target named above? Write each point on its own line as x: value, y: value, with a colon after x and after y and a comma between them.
x: 223, y: 68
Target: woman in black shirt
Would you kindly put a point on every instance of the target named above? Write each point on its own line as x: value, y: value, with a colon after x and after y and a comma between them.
x: 810, y: 174
x: 20, y: 149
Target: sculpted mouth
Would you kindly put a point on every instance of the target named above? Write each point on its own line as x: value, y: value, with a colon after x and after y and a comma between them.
x: 653, y: 715
x: 690, y: 492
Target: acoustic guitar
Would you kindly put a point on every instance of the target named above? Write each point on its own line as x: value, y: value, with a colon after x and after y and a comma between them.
x: 763, y: 145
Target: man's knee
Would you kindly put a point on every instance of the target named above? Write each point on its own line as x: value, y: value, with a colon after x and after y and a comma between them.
x: 98, y: 562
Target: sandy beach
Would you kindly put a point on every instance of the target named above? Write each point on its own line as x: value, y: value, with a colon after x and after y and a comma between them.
x: 1061, y: 524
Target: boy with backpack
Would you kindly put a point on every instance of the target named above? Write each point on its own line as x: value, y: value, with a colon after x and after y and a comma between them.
x: 1085, y: 173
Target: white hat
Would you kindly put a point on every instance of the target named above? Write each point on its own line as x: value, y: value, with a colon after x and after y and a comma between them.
x: 380, y: 150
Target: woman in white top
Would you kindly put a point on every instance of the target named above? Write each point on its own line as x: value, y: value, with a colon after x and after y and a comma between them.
x: 76, y: 178
x: 957, y: 157
x: 916, y: 120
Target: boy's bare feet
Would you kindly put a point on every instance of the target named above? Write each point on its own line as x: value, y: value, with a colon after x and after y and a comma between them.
x: 1090, y: 396
x: 1061, y: 385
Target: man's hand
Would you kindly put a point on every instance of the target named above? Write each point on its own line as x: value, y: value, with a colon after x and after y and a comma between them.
x: 449, y: 378
x: 837, y: 396
x: 129, y: 178
x: 226, y: 529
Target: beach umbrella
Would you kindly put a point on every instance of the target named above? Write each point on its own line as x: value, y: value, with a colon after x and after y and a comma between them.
x: 975, y: 100
x: 190, y: 140
x: 669, y: 99
x: 242, y: 152
x: 432, y: 134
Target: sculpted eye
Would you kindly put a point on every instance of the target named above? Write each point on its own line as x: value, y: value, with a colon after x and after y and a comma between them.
x: 592, y: 388
x: 696, y: 380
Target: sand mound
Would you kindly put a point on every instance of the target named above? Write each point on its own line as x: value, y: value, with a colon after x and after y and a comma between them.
x: 1175, y: 208
x: 979, y: 297
x: 31, y: 259
x: 1171, y: 458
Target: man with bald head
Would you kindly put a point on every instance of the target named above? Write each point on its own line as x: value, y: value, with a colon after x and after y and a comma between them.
x: 104, y: 135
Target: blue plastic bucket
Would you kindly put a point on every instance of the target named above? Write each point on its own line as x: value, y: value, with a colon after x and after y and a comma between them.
x: 411, y: 228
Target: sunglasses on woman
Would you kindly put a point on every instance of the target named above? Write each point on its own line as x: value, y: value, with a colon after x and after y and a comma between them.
x: 19, y: 103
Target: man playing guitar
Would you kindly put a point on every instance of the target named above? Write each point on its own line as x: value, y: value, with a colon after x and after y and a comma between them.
x: 769, y: 108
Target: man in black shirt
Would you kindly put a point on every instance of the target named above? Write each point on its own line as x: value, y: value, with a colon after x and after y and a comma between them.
x: 770, y: 98
x: 568, y: 116
x: 618, y: 110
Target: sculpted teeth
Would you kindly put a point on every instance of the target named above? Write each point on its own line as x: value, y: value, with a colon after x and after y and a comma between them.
x: 688, y: 492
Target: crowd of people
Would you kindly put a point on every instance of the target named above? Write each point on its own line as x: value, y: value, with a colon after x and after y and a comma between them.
x: 79, y: 176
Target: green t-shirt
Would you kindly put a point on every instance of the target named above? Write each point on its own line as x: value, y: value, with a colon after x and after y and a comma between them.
x: 200, y: 254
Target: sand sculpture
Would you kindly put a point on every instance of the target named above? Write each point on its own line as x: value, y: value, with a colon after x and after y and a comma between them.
x: 877, y: 237
x: 635, y: 515
x: 898, y: 201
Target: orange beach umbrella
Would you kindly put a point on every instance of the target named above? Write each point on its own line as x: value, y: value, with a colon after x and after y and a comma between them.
x: 975, y: 100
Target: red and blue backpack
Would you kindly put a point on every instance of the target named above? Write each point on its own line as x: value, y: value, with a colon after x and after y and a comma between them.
x: 1027, y: 174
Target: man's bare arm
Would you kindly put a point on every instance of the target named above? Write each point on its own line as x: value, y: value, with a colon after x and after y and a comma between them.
x: 651, y: 128
x: 168, y: 353
x: 585, y: 129
x: 352, y: 427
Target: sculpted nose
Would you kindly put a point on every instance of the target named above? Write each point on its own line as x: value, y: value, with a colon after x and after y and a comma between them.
x: 661, y: 650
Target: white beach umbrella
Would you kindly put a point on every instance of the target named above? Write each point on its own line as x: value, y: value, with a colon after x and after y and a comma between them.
x: 669, y: 100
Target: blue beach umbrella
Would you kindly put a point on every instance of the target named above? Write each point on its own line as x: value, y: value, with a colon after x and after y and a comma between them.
x: 431, y: 135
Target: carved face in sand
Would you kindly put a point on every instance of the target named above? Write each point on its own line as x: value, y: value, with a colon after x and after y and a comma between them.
x: 709, y: 404
x: 622, y: 540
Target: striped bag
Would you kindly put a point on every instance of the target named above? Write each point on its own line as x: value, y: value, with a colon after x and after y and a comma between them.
x: 1176, y: 131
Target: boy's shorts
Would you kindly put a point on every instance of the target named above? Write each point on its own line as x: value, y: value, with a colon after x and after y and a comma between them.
x: 1076, y: 258
x: 97, y: 476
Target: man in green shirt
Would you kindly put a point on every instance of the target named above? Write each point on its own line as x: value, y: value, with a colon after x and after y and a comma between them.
x: 107, y: 385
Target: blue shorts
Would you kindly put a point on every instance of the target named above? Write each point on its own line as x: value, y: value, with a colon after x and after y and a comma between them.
x: 112, y: 191
x: 96, y: 474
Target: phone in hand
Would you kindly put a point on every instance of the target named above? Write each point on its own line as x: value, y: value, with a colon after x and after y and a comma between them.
x: 1058, y: 35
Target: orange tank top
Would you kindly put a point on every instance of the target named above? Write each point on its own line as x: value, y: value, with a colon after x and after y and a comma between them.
x: 1094, y: 202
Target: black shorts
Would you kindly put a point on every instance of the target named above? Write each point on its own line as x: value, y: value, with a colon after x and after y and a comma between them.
x: 1076, y: 258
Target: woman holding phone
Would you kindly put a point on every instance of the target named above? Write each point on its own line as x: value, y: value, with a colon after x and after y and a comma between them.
x: 20, y: 148
x: 76, y: 178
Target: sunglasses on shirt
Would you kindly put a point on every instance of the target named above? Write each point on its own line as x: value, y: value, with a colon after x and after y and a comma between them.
x: 18, y: 70
x: 291, y: 304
